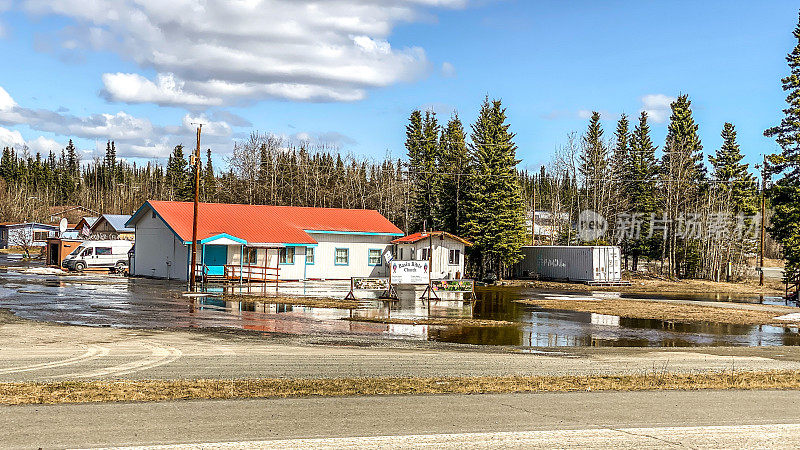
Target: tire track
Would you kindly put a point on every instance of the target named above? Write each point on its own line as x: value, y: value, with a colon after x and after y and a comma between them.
x: 93, y: 352
x: 159, y: 356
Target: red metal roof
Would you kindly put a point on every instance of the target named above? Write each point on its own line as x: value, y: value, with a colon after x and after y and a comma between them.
x: 267, y: 224
x: 416, y: 237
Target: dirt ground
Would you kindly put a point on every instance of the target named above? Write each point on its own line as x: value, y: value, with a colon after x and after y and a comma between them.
x: 655, y: 286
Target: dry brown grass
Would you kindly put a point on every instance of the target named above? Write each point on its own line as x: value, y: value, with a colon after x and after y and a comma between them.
x: 652, y: 285
x: 164, y: 390
x: 673, y: 312
x: 446, y: 321
x: 314, y: 302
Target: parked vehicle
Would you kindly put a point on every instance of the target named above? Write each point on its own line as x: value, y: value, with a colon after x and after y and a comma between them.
x: 99, y: 254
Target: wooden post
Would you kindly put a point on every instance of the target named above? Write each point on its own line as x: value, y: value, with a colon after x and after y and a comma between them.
x: 192, y: 274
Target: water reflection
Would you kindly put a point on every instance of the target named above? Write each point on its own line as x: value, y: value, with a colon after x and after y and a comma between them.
x: 121, y: 302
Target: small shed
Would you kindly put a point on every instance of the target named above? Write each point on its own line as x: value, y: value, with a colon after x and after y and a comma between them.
x: 59, y: 248
x: 589, y: 264
x: 447, y: 252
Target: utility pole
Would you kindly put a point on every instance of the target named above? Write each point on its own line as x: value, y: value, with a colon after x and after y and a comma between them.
x: 533, y: 216
x: 764, y: 172
x: 192, y: 275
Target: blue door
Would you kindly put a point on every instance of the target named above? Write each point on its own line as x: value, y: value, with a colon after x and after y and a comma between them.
x: 216, y: 257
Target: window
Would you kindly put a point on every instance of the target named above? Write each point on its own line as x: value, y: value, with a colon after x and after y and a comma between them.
x: 374, y: 257
x: 342, y: 257
x: 425, y: 254
x: 40, y: 235
x: 251, y: 255
x: 455, y: 257
x: 286, y: 255
x: 88, y: 252
x: 401, y: 254
x: 103, y: 251
x: 309, y: 255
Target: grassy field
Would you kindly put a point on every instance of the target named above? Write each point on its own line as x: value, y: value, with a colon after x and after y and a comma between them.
x: 674, y: 312
x: 164, y: 390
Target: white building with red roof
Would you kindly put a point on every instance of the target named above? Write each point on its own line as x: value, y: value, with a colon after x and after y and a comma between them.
x: 304, y: 243
x: 445, y: 252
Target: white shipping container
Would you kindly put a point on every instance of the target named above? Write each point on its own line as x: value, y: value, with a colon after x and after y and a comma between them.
x: 573, y: 263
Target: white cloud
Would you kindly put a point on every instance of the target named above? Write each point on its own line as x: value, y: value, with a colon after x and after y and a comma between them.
x: 134, y: 136
x: 226, y: 51
x: 6, y: 102
x: 44, y: 146
x: 448, y: 70
x: 584, y: 114
x: 166, y: 90
x: 657, y: 106
x: 10, y: 138
x: 210, y: 127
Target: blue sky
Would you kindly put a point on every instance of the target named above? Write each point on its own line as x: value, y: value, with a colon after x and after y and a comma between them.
x: 350, y: 74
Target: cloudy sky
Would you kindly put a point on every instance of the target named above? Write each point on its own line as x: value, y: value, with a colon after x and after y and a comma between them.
x: 348, y: 72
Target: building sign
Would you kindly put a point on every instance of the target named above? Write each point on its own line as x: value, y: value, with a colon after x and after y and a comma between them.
x: 410, y: 272
x: 371, y: 284
x: 453, y: 285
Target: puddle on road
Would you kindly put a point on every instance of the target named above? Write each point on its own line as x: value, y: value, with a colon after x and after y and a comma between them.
x: 101, y: 300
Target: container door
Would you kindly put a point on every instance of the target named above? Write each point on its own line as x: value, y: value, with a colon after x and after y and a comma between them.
x: 215, y: 258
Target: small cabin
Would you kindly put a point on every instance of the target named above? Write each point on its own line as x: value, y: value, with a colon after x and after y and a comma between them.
x: 112, y: 227
x: 444, y: 250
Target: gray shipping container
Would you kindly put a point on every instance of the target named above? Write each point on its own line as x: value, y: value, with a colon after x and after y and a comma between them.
x: 573, y: 263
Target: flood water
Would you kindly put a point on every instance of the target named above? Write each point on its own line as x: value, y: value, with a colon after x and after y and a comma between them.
x: 103, y: 300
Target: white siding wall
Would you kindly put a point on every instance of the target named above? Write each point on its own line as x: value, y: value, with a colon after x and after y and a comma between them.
x: 159, y: 253
x: 441, y: 256
x: 359, y: 246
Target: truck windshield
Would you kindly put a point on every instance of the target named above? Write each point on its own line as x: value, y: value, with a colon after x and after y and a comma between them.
x: 78, y: 250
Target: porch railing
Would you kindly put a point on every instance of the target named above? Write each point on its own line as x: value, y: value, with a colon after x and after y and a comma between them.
x: 249, y: 274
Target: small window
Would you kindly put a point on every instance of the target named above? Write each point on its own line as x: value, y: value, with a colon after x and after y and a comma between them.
x: 40, y: 235
x: 286, y: 255
x: 309, y: 255
x: 251, y: 256
x: 342, y: 257
x: 425, y: 255
x: 374, y: 257
x: 455, y: 257
x: 88, y: 252
x: 401, y: 254
x: 103, y: 251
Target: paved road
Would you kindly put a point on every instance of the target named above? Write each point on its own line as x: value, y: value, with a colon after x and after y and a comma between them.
x: 31, y: 351
x: 611, y: 419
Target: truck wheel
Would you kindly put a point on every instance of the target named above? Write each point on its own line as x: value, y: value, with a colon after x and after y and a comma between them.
x: 79, y: 267
x: 119, y: 267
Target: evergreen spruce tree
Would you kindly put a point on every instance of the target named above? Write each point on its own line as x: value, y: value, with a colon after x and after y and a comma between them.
x: 685, y: 175
x: 621, y: 156
x: 785, y: 195
x: 642, y: 173
x: 176, y: 174
x: 453, y: 170
x: 684, y: 152
x: 209, y: 180
x: 593, y: 166
x: 737, y: 183
x: 72, y: 159
x: 494, y: 211
x: 422, y: 144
